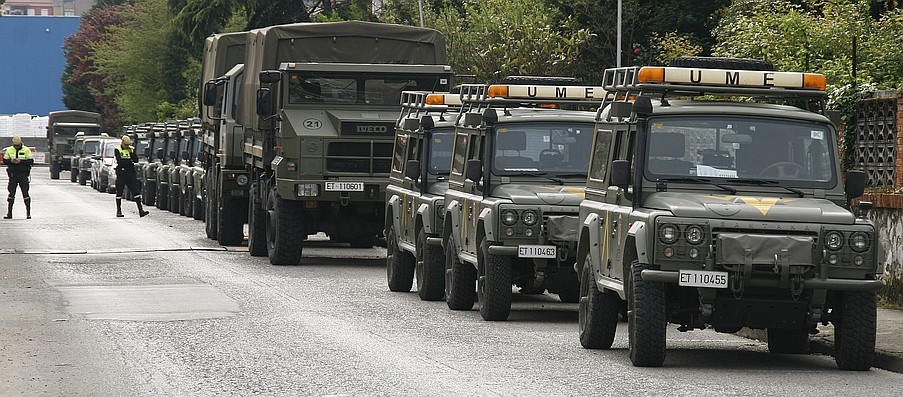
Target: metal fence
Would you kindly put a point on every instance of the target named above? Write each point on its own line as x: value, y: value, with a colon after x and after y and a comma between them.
x: 876, y: 139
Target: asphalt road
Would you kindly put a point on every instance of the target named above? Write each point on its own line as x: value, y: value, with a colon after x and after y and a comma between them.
x: 95, y: 305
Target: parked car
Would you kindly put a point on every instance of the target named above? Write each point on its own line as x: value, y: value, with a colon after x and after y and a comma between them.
x: 83, y: 158
x: 103, y: 177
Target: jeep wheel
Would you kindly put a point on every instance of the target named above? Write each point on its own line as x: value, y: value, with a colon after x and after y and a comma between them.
x: 163, y: 197
x: 174, y: 200
x: 854, y: 331
x: 459, y: 278
x: 788, y: 341
x: 597, y: 312
x: 430, y: 269
x: 73, y: 176
x: 197, y: 208
x: 399, y: 264
x: 646, y: 319
x: 284, y: 229
x: 257, y: 225
x: 231, y: 228
x: 721, y: 63
x: 494, y: 285
x: 83, y: 178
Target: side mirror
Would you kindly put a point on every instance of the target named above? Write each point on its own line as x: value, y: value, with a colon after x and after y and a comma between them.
x: 620, y: 173
x: 270, y: 77
x: 202, y: 157
x: 855, y: 184
x: 160, y: 153
x: 265, y: 102
x: 412, y: 169
x: 172, y: 155
x: 209, y: 93
x: 474, y: 170
x: 147, y: 152
x: 185, y: 155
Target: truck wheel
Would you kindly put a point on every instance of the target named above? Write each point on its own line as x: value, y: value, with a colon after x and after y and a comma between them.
x: 285, y: 232
x: 788, y: 341
x: 399, y: 264
x: 597, y: 312
x: 459, y: 278
x: 854, y: 328
x: 494, y: 285
x: 231, y: 228
x: 150, y: 196
x: 54, y: 171
x: 83, y: 178
x: 257, y: 226
x: 73, y: 176
x: 721, y: 63
x: 430, y: 270
x: 174, y: 200
x: 162, y: 197
x: 211, y: 205
x: 646, y: 319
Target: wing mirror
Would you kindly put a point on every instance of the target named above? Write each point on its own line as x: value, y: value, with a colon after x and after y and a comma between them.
x: 412, y: 169
x: 620, y: 173
x: 474, y: 170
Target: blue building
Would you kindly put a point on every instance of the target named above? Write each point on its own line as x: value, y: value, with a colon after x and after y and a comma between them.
x: 32, y: 62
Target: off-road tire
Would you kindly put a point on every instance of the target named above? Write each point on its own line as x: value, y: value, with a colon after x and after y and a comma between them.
x: 494, y: 285
x: 54, y: 171
x: 174, y: 200
x: 459, y: 279
x: 399, y: 264
x: 854, y: 331
x: 430, y: 270
x: 646, y: 319
x: 285, y: 230
x: 73, y: 176
x: 597, y: 312
x: 257, y: 225
x: 721, y: 63
x: 149, y: 193
x: 230, y: 226
x: 211, y: 205
x: 162, y: 197
x: 197, y: 208
x: 788, y: 341
x: 83, y: 178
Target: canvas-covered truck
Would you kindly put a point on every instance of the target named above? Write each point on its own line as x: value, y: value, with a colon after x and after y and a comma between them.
x: 225, y: 193
x: 715, y: 199
x: 318, y: 106
x: 62, y: 126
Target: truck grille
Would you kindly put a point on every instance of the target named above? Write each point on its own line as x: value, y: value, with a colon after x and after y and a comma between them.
x: 359, y: 157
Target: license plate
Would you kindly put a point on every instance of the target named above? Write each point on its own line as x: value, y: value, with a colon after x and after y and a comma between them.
x: 701, y: 278
x: 344, y: 186
x: 536, y: 251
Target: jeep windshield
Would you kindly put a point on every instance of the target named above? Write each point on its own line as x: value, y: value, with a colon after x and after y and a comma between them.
x: 736, y: 150
x: 542, y: 149
x: 441, y: 141
x: 359, y: 88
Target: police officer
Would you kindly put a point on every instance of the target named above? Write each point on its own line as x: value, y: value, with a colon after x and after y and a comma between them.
x: 18, y: 160
x: 125, y: 175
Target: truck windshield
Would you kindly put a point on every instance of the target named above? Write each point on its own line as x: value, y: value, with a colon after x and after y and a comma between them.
x: 542, y: 148
x: 357, y: 88
x: 737, y: 150
x: 441, y: 150
x: 71, y: 131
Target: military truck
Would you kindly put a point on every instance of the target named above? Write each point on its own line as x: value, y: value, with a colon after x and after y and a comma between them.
x: 415, y: 195
x: 225, y: 179
x: 724, y: 213
x: 61, y: 129
x: 78, y: 148
x: 318, y: 110
x: 517, y: 174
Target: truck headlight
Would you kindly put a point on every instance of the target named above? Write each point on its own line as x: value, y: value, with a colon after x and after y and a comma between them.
x: 859, y: 242
x: 530, y: 218
x: 241, y: 180
x: 833, y: 240
x: 509, y: 217
x: 307, y: 190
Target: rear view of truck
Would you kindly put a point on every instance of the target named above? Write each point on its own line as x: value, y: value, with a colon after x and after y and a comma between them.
x: 61, y: 129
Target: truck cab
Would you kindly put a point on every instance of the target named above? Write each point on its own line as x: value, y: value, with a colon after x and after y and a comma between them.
x: 517, y: 177
x: 724, y: 213
x: 415, y: 195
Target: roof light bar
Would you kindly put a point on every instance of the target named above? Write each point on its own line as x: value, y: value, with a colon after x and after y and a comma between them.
x: 443, y: 99
x: 545, y: 92
x: 731, y: 78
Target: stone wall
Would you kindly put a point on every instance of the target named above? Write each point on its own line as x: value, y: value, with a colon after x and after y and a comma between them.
x: 889, y: 222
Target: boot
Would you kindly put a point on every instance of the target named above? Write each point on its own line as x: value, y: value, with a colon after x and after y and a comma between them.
x: 119, y: 208
x: 141, y: 212
x: 9, y: 212
x: 28, y: 208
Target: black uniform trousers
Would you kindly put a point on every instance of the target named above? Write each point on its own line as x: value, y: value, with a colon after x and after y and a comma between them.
x: 17, y: 179
x: 127, y: 178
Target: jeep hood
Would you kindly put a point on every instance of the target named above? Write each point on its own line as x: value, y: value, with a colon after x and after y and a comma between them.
x: 751, y: 208
x: 540, y: 194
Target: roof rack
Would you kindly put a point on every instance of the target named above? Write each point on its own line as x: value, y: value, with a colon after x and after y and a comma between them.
x: 476, y: 98
x: 415, y: 104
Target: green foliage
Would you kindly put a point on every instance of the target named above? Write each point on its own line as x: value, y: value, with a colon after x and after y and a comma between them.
x: 672, y: 45
x: 352, y: 10
x: 77, y: 95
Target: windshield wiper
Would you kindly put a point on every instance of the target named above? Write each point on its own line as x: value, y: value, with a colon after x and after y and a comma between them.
x: 571, y: 175
x: 542, y: 174
x: 698, y: 180
x: 768, y: 182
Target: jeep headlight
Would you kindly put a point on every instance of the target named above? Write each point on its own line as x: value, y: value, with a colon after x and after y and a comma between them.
x: 440, y: 211
x: 509, y: 217
x: 834, y: 240
x: 668, y: 234
x: 859, y: 242
x: 695, y: 235
x: 530, y: 218
x: 241, y: 180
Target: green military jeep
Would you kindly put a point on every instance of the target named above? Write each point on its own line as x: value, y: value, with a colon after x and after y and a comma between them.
x: 415, y: 195
x: 711, y: 202
x: 517, y: 178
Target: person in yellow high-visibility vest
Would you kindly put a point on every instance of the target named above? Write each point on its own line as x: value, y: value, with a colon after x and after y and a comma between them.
x: 18, y: 160
x: 126, y: 176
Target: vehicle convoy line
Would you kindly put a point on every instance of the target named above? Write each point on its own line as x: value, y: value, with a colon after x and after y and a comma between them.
x: 108, y: 251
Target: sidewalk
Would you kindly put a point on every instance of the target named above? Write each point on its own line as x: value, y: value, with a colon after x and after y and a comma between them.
x: 888, y: 344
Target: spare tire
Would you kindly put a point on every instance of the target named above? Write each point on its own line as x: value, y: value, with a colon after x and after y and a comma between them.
x: 541, y: 80
x: 721, y: 63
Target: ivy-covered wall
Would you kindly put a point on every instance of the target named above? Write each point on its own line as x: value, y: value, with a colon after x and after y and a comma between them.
x: 889, y: 222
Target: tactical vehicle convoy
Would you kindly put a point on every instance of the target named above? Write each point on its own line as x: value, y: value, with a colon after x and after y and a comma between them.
x: 725, y: 213
x: 167, y: 157
x: 226, y: 182
x: 517, y: 174
x: 415, y: 195
x: 318, y: 108
x: 82, y: 159
x: 61, y: 129
x: 148, y: 175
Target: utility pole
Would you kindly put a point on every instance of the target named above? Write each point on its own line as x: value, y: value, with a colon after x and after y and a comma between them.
x: 618, y: 64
